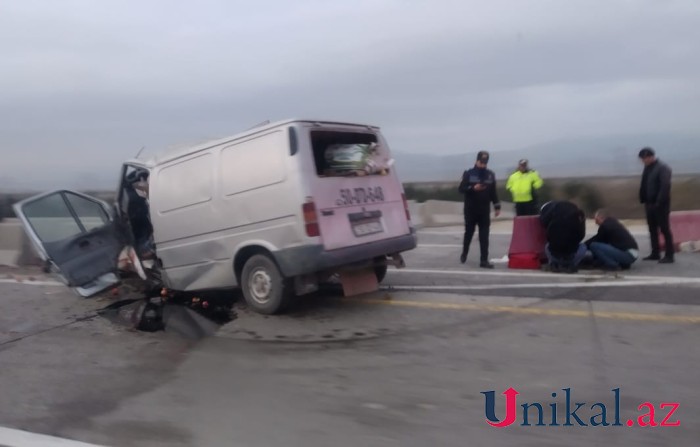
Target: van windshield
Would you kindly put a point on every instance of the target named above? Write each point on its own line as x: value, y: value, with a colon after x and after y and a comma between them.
x: 340, y: 154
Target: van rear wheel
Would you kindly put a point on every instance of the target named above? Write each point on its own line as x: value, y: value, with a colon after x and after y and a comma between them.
x: 265, y: 289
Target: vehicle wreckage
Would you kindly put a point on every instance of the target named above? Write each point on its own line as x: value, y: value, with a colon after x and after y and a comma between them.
x: 274, y: 210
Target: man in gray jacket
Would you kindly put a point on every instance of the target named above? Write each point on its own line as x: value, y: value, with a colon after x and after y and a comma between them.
x: 655, y: 194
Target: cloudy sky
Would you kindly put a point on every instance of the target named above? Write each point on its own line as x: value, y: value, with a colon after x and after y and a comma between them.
x: 85, y: 84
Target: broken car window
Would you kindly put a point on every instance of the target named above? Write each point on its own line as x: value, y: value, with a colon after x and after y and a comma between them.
x: 51, y: 219
x: 348, y: 153
x: 90, y: 213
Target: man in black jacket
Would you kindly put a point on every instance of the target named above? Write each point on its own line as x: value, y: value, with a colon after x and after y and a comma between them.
x: 565, y: 227
x: 655, y: 194
x: 613, y: 246
x: 479, y: 188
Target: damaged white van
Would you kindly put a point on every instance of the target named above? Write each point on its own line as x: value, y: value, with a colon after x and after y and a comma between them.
x: 273, y: 210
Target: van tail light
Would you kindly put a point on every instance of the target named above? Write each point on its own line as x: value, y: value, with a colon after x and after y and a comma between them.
x: 405, y: 206
x: 311, y: 219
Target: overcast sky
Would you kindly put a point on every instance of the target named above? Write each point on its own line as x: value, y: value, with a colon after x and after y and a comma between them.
x: 85, y: 84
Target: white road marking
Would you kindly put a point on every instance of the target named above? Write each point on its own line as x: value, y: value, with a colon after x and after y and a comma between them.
x: 461, y: 233
x: 17, y: 438
x: 561, y: 285
x: 527, y: 274
x: 502, y: 233
x: 523, y: 274
x: 30, y: 283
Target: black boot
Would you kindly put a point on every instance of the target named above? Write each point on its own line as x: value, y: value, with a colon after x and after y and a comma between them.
x: 652, y: 257
x: 486, y: 265
x: 463, y: 257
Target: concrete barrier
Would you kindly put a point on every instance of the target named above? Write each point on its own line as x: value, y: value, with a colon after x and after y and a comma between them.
x: 15, y: 248
x: 527, y: 243
x: 414, y: 208
x: 438, y: 213
x: 685, y: 227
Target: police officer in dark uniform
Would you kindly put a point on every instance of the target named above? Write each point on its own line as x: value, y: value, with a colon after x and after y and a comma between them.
x: 479, y: 188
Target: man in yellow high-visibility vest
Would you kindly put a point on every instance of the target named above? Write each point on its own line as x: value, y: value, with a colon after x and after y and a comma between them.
x: 522, y: 185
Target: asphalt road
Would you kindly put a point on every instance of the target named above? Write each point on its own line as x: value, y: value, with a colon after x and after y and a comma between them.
x: 405, y: 366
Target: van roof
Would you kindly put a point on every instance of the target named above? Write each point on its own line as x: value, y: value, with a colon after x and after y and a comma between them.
x: 182, y: 150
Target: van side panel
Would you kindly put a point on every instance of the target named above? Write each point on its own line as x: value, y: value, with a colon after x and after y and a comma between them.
x: 253, y: 164
x: 186, y: 189
x: 254, y: 195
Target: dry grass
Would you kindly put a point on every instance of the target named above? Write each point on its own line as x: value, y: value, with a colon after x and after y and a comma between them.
x: 620, y: 195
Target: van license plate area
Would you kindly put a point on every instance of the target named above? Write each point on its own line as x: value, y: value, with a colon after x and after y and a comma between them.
x: 367, y: 228
x: 366, y: 223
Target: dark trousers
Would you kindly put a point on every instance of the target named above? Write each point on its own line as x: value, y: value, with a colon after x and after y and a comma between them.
x: 611, y: 256
x: 142, y: 231
x: 471, y: 221
x: 525, y: 208
x: 658, y: 219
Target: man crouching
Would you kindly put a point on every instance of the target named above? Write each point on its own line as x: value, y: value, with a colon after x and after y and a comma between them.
x: 565, y: 227
x: 613, y: 247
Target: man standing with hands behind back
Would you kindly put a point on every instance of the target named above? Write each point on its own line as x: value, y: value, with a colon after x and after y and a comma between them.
x: 479, y: 188
x: 655, y: 194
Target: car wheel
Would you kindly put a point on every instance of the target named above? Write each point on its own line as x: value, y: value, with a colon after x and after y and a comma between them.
x: 265, y: 289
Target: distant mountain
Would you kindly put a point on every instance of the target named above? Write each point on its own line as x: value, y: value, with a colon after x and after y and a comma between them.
x: 581, y: 157
x: 614, y: 155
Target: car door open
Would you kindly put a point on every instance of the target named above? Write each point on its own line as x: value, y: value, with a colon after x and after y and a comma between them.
x: 76, y: 234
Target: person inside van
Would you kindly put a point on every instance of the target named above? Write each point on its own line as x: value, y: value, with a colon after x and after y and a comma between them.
x: 138, y: 211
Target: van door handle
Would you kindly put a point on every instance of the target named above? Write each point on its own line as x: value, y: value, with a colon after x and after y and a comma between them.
x: 327, y: 212
x: 84, y: 244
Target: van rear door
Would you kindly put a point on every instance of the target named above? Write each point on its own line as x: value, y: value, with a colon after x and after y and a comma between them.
x: 355, y: 207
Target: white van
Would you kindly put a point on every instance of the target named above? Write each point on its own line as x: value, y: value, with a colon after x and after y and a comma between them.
x: 274, y: 210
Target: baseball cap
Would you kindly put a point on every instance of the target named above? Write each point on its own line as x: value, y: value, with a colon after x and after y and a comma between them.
x: 523, y: 161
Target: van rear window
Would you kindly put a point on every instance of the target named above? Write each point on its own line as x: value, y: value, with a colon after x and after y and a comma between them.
x: 339, y: 154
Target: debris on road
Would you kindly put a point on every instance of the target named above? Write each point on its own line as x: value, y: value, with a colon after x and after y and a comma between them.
x: 690, y: 247
x: 188, y: 315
